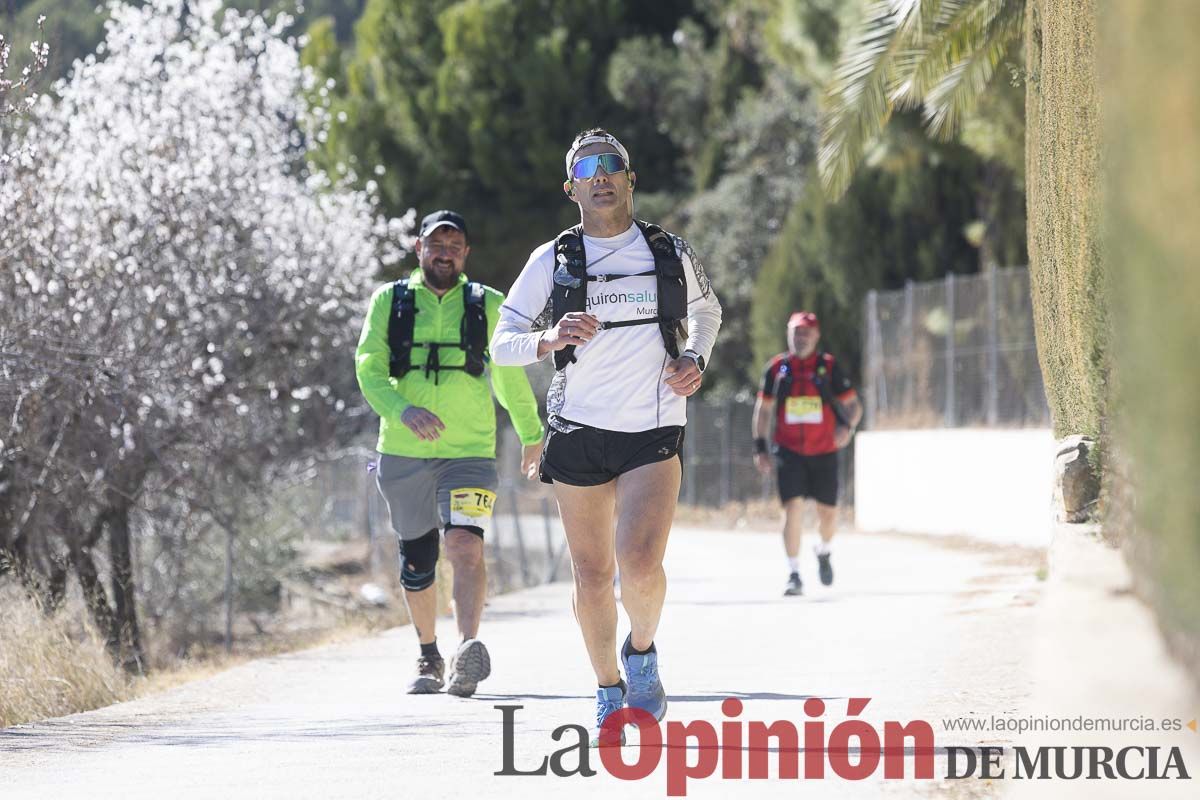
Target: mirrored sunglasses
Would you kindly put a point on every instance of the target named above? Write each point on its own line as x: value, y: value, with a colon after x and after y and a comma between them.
x: 585, y: 168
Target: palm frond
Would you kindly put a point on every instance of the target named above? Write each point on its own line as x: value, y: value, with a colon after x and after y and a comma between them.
x: 957, y: 95
x: 963, y: 60
x: 858, y: 98
x: 937, y: 53
x: 958, y: 29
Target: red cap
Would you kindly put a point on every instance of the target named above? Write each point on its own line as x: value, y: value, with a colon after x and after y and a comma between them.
x: 803, y: 319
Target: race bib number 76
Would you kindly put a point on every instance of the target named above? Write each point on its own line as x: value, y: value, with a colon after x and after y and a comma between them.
x: 471, y: 507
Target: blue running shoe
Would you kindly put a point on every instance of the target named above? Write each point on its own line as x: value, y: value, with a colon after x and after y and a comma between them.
x: 609, y: 700
x: 645, y: 689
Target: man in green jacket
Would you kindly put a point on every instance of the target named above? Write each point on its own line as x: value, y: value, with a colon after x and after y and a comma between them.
x: 421, y: 366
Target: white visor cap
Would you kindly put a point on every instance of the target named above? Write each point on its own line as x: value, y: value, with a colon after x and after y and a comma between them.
x: 598, y: 138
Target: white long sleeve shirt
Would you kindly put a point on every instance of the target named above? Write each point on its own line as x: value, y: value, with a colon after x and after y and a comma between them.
x: 617, y: 381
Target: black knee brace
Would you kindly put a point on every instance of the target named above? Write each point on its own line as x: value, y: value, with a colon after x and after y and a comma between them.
x: 418, y: 559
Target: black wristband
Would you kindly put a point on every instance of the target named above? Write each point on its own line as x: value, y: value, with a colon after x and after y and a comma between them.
x: 760, y: 446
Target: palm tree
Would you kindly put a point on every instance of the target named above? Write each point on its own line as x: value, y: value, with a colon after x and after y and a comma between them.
x: 939, y: 55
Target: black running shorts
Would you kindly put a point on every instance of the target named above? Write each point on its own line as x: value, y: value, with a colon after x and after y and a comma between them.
x: 591, y: 456
x: 807, y: 476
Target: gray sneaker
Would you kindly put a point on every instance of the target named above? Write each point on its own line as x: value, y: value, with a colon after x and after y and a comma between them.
x: 824, y: 569
x: 468, y: 667
x: 430, y: 670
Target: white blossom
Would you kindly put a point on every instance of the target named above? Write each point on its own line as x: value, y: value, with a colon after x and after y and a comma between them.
x: 169, y: 257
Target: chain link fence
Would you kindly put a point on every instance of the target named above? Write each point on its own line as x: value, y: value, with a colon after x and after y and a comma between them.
x: 954, y: 353
x: 524, y: 545
x: 718, y: 458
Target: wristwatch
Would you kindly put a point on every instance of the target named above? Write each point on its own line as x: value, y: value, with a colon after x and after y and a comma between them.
x: 694, y: 356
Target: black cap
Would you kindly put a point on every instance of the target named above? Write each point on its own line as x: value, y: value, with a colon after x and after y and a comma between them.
x: 439, y: 218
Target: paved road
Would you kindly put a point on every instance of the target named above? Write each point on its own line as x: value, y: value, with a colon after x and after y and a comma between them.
x: 926, y: 629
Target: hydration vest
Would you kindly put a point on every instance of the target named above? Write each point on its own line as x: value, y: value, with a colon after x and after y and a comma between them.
x: 822, y: 375
x: 571, y: 280
x: 472, y: 332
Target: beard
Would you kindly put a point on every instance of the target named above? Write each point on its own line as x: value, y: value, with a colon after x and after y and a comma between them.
x: 440, y: 275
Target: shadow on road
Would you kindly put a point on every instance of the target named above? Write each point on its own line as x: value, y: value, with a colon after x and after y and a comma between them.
x: 674, y: 698
x: 87, y: 736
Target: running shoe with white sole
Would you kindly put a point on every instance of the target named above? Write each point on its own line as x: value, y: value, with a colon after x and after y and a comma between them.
x: 430, y: 670
x: 794, y: 587
x: 468, y: 667
x: 645, y: 688
x: 609, y: 700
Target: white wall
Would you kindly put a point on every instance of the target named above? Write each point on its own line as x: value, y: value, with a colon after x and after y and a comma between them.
x: 993, y: 484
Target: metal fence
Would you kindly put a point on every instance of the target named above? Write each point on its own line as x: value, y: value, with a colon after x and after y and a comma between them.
x: 954, y: 353
x: 525, y: 545
x: 718, y: 458
x: 718, y: 455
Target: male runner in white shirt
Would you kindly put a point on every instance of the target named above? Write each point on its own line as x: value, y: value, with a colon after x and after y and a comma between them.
x: 617, y: 404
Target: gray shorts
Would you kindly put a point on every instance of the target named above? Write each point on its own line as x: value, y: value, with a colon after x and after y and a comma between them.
x: 427, y: 493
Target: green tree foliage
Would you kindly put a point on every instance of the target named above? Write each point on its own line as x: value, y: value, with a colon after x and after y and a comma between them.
x: 804, y: 37
x: 904, y: 218
x: 444, y: 104
x: 471, y: 104
x: 342, y: 12
x: 73, y: 28
x: 735, y: 223
x: 744, y: 131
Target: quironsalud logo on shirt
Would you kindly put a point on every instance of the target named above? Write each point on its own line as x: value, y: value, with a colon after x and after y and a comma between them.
x: 647, y: 300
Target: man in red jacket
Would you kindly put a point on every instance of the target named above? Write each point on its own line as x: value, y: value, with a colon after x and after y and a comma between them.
x: 816, y: 412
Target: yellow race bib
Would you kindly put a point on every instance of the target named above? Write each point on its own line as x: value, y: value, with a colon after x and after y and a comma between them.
x: 804, y: 410
x: 471, y: 507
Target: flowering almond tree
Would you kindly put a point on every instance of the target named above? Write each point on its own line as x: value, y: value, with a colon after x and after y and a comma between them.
x: 16, y: 94
x: 179, y: 295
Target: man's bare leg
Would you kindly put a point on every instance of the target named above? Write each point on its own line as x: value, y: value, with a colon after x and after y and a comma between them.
x: 422, y: 608
x: 472, y: 662
x: 587, y: 515
x: 646, y: 499
x: 465, y: 551
x: 793, y: 519
x: 827, y: 522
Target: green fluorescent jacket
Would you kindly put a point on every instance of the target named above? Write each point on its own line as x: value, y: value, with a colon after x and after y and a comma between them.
x: 462, y: 402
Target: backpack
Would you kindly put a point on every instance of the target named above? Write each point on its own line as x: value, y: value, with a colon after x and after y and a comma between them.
x: 571, y: 280
x: 822, y: 375
x: 472, y: 335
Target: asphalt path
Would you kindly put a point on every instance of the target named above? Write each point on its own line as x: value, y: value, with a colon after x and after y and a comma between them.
x: 927, y: 629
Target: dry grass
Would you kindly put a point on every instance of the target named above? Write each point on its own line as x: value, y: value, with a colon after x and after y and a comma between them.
x: 49, y: 666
